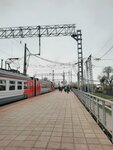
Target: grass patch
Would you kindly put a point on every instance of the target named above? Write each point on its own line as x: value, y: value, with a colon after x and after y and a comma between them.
x: 109, y: 97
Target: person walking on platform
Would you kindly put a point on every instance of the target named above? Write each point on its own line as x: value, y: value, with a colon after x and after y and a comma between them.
x: 68, y: 89
x: 60, y: 89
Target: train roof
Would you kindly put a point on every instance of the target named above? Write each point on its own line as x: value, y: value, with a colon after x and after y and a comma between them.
x: 13, y: 74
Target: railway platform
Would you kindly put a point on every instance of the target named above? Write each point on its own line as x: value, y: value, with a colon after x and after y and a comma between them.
x: 53, y: 121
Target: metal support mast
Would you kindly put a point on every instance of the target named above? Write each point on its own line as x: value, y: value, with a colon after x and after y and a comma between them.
x: 1, y: 63
x: 87, y: 76
x: 25, y: 60
x: 63, y: 78
x: 53, y: 76
x: 90, y: 73
x: 78, y: 38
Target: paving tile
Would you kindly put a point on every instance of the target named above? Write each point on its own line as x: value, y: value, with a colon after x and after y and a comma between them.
x: 41, y: 144
x: 107, y: 147
x: 10, y: 137
x: 55, y: 138
x: 55, y: 145
x: 23, y: 148
x: 95, y: 147
x: 28, y: 144
x: 47, y: 129
x: 78, y: 134
x: 67, y: 140
x: 105, y: 141
x: 46, y: 133
x: 101, y: 136
x: 67, y: 130
x: 31, y: 138
x: 67, y: 146
x: 81, y: 147
x: 15, y: 143
x: 4, y: 142
x: 38, y: 129
x: 2, y: 137
x: 92, y: 140
x: 26, y: 132
x: 39, y: 149
x: 79, y: 140
x: 89, y: 131
x: 44, y: 138
x: 10, y: 148
x: 21, y: 137
x: 56, y: 133
x: 57, y: 130
x: 67, y: 134
x: 2, y: 148
x: 89, y: 135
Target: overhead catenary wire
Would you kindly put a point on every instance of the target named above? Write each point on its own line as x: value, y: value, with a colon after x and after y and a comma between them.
x: 51, y: 61
x: 98, y: 59
x: 104, y: 45
x: 107, y: 52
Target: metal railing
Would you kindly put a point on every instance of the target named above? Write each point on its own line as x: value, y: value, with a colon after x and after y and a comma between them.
x: 102, y: 109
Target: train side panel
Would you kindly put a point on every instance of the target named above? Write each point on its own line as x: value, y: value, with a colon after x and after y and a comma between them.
x: 46, y: 86
x: 38, y: 89
x: 29, y: 90
x: 14, y: 87
x: 11, y: 90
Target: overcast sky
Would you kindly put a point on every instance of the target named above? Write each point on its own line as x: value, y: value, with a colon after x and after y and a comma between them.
x: 93, y: 17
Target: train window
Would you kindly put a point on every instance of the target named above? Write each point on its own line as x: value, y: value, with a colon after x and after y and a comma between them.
x: 43, y: 85
x: 2, y: 81
x: 11, y: 85
x: 19, y: 85
x: 19, y: 82
x: 11, y: 82
x: 2, y: 85
x: 25, y: 85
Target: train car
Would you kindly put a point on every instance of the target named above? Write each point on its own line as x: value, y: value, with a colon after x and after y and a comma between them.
x: 15, y: 86
x: 46, y: 86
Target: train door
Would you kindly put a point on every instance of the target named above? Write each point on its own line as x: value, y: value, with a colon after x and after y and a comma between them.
x: 38, y: 87
x: 35, y: 85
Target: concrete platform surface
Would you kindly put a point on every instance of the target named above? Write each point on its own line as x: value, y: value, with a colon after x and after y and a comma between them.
x: 54, y: 121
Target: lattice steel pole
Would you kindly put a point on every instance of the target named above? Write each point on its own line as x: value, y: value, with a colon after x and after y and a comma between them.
x: 25, y: 60
x: 87, y: 76
x: 53, y: 76
x: 90, y: 73
x: 78, y: 38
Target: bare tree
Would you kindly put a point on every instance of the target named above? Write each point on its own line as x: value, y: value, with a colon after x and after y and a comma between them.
x: 108, y: 70
x: 106, y: 79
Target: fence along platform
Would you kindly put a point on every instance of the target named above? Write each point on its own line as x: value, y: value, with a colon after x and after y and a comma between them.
x: 101, y: 109
x: 52, y: 121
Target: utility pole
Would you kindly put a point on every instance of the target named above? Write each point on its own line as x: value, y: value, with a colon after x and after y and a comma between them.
x: 69, y: 76
x: 53, y: 76
x: 89, y: 74
x: 25, y: 60
x: 78, y: 38
x: 85, y: 80
x: 1, y: 63
x: 39, y: 40
x: 63, y: 78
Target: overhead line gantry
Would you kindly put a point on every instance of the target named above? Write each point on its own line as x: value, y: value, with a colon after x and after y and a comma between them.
x: 48, y: 31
